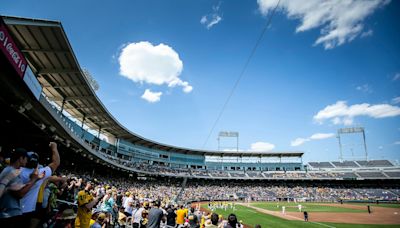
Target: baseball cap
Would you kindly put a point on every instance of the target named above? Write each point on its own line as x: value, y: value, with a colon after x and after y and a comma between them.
x: 101, y: 216
x: 67, y: 214
x: 33, y: 160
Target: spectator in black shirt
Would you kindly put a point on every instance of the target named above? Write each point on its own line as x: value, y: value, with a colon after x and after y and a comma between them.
x: 171, y: 216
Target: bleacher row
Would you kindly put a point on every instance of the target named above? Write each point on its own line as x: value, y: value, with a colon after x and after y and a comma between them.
x: 164, y: 170
x: 351, y: 164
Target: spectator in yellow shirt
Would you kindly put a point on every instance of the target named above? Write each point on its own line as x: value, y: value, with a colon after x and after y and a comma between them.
x: 86, y: 202
x: 181, y: 214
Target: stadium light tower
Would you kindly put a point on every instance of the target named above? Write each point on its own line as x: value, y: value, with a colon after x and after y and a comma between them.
x: 228, y: 134
x: 352, y: 130
x: 93, y: 83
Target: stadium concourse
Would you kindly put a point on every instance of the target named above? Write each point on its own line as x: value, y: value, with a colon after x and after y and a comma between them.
x: 108, y: 170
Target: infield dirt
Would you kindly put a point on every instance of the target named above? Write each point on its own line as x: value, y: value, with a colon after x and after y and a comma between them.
x: 379, y: 215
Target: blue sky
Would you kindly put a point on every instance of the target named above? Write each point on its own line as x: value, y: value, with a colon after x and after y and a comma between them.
x: 165, y: 69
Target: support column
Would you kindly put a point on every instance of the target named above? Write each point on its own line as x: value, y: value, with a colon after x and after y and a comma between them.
x: 62, y: 105
x: 340, y: 148
x: 98, y: 136
x: 365, y: 146
x: 83, y: 130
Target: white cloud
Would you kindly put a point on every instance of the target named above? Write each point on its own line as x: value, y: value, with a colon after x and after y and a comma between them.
x: 341, y: 113
x: 299, y: 141
x: 262, y: 146
x: 230, y: 150
x: 396, y: 100
x: 397, y: 143
x: 317, y: 136
x: 178, y: 82
x: 151, y: 97
x: 213, y: 18
x: 396, y: 77
x: 367, y: 33
x: 203, y: 20
x: 341, y: 21
x: 364, y: 88
x: 144, y: 62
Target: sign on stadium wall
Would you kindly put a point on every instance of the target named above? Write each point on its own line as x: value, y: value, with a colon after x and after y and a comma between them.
x: 11, y: 51
x: 33, y: 84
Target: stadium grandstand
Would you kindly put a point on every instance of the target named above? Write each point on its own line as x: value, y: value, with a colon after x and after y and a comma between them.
x: 45, y: 96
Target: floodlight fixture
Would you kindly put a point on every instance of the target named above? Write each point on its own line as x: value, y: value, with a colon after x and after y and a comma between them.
x: 352, y: 130
x: 228, y: 134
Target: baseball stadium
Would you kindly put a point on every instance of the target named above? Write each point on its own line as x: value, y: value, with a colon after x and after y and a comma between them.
x: 45, y: 96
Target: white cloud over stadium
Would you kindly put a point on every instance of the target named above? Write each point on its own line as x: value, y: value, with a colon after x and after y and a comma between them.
x: 261, y: 147
x: 151, y: 96
x: 396, y: 77
x: 144, y: 62
x: 396, y: 100
x: 213, y: 18
x: 341, y: 113
x: 317, y: 136
x: 340, y: 21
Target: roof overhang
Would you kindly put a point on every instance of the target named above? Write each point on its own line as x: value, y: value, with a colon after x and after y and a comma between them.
x: 51, y: 58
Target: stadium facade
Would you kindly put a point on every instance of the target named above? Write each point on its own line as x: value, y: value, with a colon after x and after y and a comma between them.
x: 43, y: 84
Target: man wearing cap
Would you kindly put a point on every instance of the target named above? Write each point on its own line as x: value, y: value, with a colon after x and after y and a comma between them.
x: 128, y: 204
x: 29, y: 200
x: 11, y: 208
x: 100, y: 221
x: 85, y: 204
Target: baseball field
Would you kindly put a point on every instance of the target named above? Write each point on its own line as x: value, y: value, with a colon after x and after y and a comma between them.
x: 270, y: 214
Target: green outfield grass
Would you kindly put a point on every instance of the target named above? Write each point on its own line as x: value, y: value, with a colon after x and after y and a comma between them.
x: 390, y: 205
x: 252, y: 217
x: 310, y: 207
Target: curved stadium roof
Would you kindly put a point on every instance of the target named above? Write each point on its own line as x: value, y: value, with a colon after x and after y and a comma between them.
x: 51, y: 58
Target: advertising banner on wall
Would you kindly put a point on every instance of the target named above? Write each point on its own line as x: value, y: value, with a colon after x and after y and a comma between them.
x: 33, y: 84
x: 11, y: 51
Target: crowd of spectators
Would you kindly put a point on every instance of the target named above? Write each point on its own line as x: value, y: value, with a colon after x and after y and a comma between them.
x: 204, y: 191
x: 32, y: 195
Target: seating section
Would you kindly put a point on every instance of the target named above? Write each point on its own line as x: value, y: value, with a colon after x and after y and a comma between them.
x: 346, y: 175
x: 198, y: 173
x: 255, y: 175
x: 375, y: 163
x: 370, y: 174
x: 238, y: 174
x: 395, y: 191
x: 318, y: 165
x: 393, y: 174
x: 219, y: 174
x: 376, y: 194
x: 322, y: 175
x: 346, y: 164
